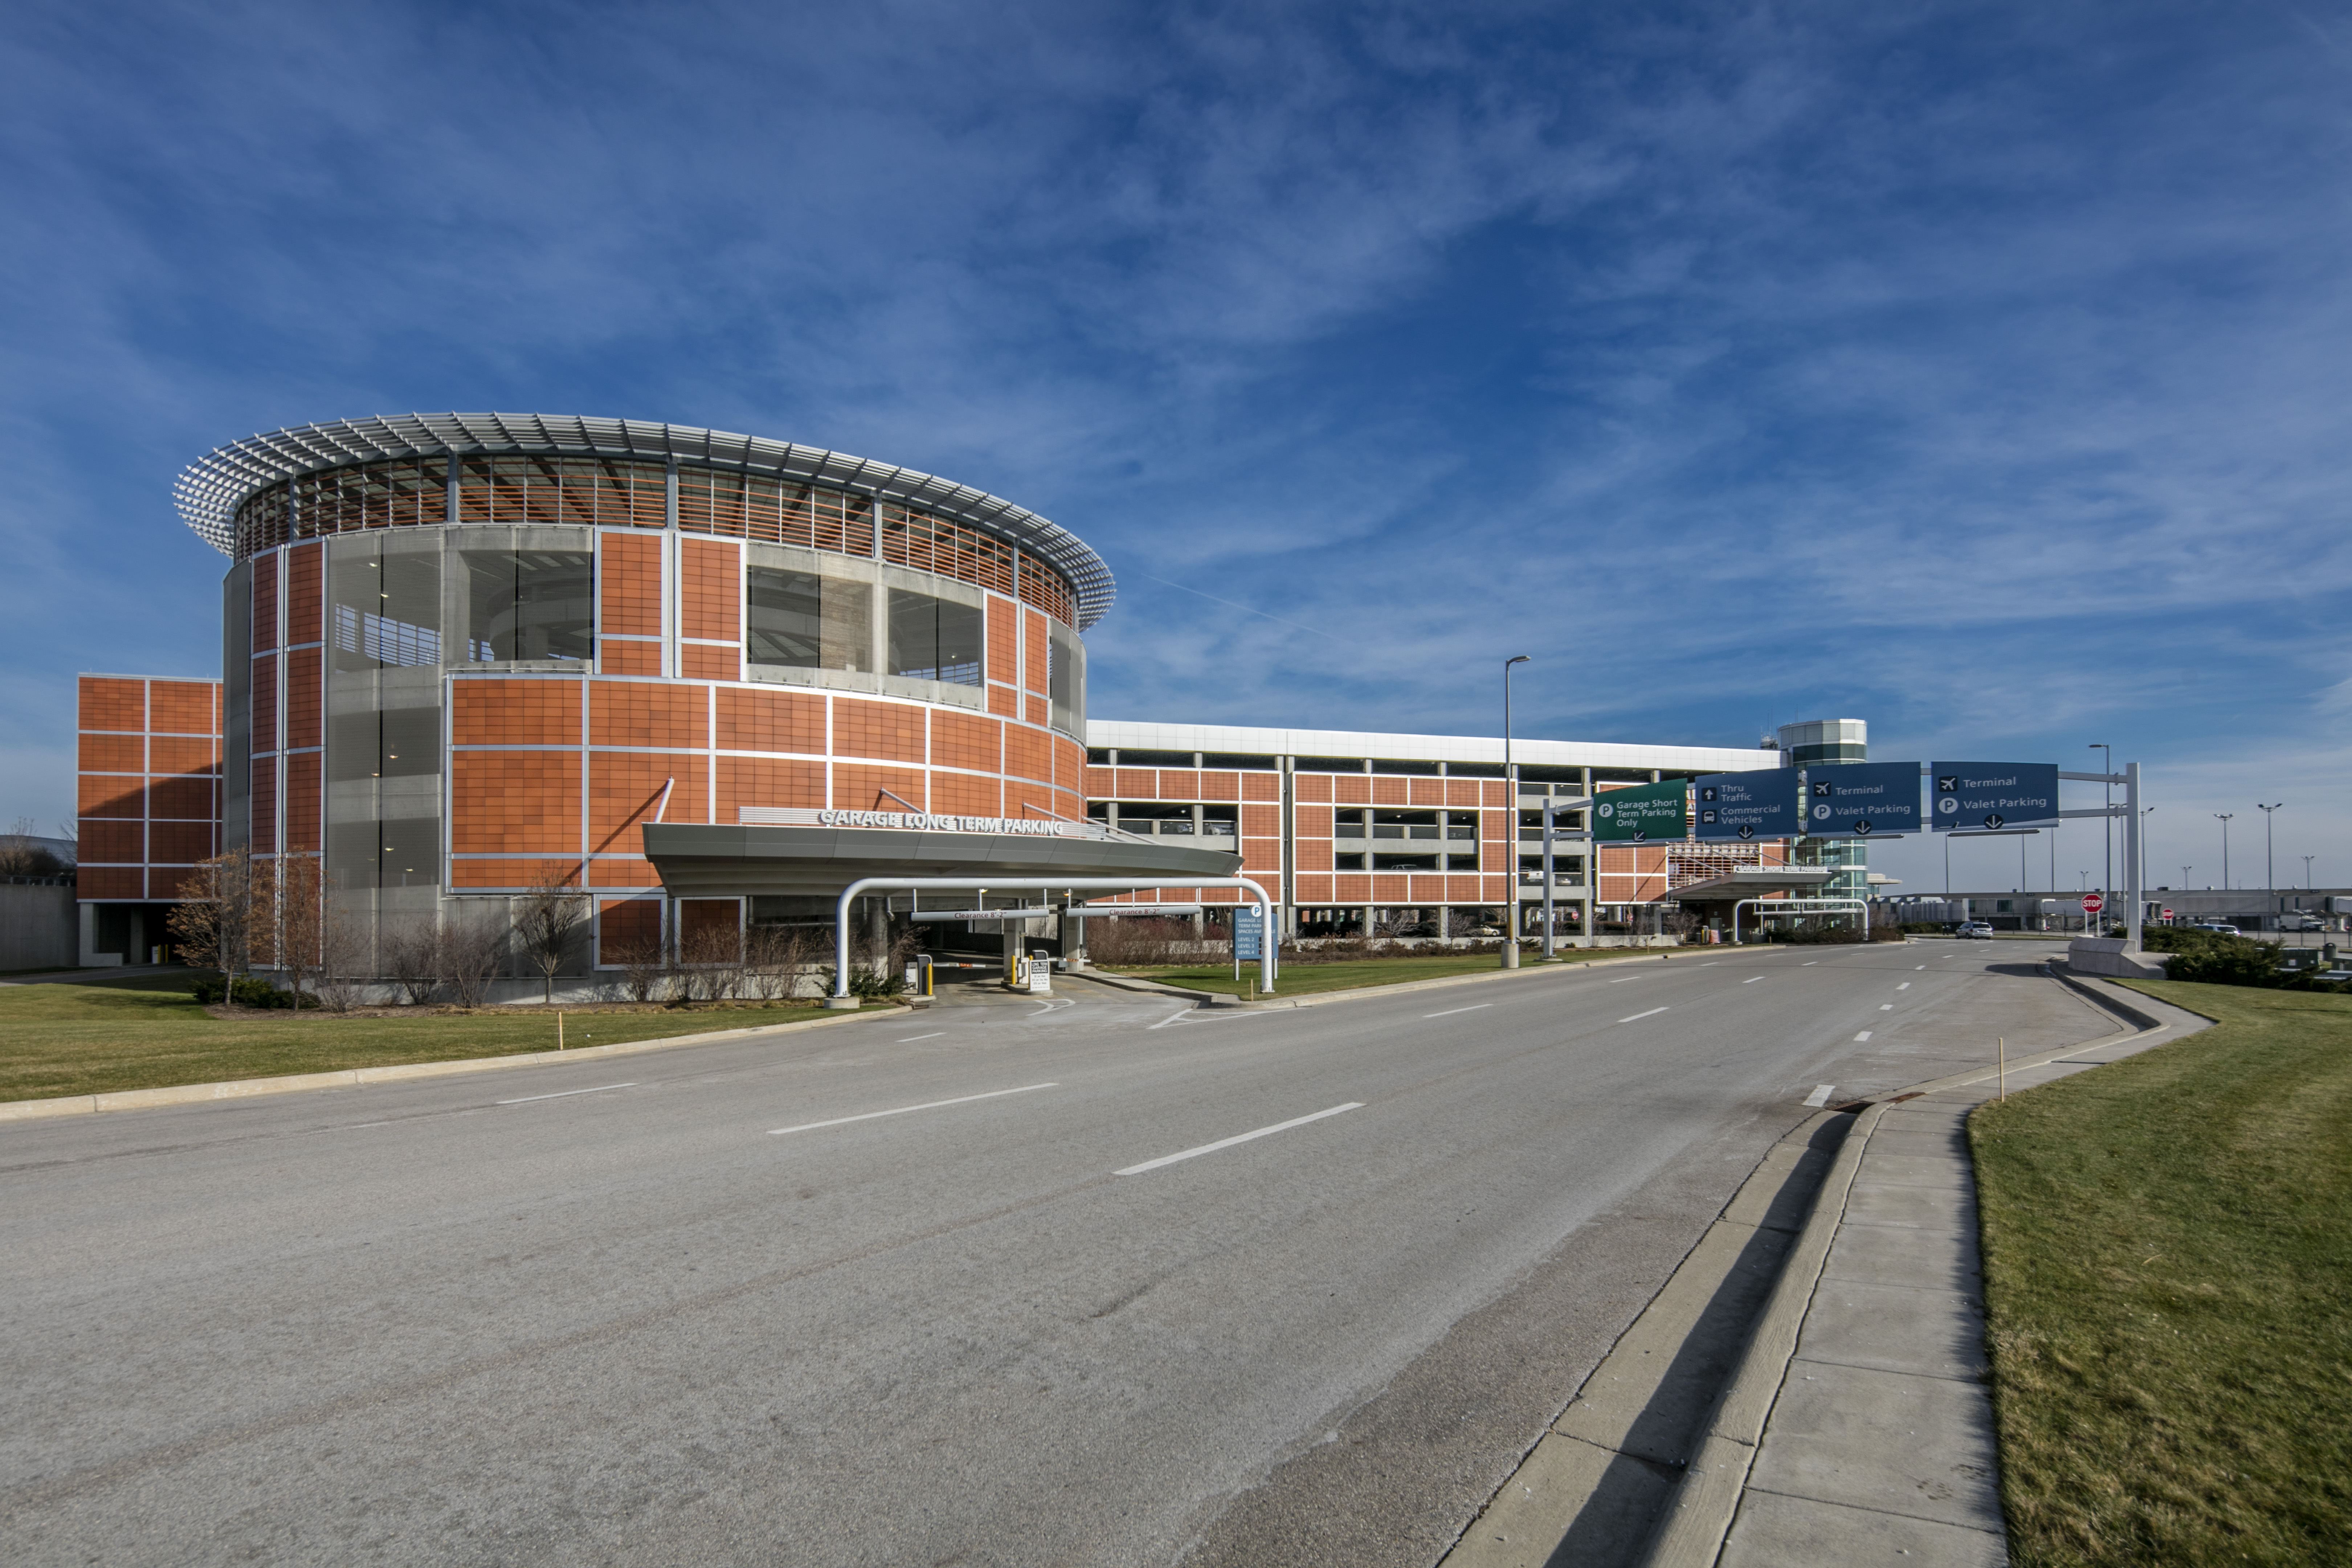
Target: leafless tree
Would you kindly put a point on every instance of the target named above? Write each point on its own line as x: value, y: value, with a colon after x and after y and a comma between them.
x: 554, y: 913
x: 710, y: 962
x: 644, y: 967
x: 416, y: 955
x: 345, y: 967
x: 221, y: 909
x: 474, y: 950
x: 18, y: 853
x: 777, y: 957
x: 301, y: 909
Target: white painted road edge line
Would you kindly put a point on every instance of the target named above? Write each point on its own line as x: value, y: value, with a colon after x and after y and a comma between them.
x: 1887, y: 1007
x: 1242, y: 1138
x: 903, y: 1110
x: 1451, y: 1011
x: 1905, y: 986
x: 1864, y: 1036
x: 1809, y: 964
x: 1820, y: 1095
x: 1651, y: 1014
x: 1751, y: 980
x: 934, y: 1035
x: 567, y: 1094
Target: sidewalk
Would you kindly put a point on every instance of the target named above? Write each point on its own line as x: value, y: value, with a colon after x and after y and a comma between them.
x: 1878, y: 1445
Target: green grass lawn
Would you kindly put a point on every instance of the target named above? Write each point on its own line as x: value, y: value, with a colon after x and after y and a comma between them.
x: 96, y: 1036
x: 2168, y: 1247
x: 1302, y: 979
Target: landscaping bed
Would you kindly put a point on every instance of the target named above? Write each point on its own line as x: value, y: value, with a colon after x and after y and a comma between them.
x: 2169, y: 1285
x: 101, y: 1036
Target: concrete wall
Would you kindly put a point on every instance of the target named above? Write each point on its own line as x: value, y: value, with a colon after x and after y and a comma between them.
x: 38, y: 928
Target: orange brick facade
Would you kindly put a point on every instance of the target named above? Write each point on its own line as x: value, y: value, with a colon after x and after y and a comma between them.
x: 149, y: 796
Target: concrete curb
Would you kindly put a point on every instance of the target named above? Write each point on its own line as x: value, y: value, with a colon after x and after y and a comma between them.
x: 350, y: 1077
x: 1220, y: 999
x: 1700, y: 1518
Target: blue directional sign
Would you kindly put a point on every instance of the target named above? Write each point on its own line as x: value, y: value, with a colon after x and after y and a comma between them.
x: 1985, y: 797
x: 1862, y: 800
x: 1248, y: 933
x: 1761, y: 805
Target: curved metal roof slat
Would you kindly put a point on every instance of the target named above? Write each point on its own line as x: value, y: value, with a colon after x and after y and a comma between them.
x: 210, y: 489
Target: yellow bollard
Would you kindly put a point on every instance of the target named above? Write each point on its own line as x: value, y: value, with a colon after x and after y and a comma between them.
x: 559, y: 1031
x: 2004, y: 1070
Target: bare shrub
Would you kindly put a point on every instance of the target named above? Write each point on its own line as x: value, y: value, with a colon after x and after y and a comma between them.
x: 552, y: 917
x: 474, y: 953
x: 301, y: 890
x: 415, y: 956
x: 343, y: 957
x: 221, y: 910
x: 1134, y: 941
x: 644, y: 967
x: 777, y: 958
x: 710, y: 962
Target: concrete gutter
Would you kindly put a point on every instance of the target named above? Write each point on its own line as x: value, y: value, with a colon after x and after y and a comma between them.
x: 245, y: 1088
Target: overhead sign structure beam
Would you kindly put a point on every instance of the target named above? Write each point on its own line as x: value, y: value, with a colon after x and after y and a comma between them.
x: 842, y: 998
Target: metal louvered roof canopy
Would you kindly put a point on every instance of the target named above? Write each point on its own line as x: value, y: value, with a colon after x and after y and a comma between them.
x: 210, y: 489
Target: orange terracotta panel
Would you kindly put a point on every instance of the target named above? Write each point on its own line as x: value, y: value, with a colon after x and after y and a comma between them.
x: 707, y: 917
x: 1315, y: 890
x: 1461, y: 890
x: 768, y: 782
x: 265, y: 602
x: 1262, y: 786
x: 185, y: 707
x: 709, y: 662
x: 180, y: 843
x: 1261, y: 821
x: 305, y: 598
x: 187, y: 798
x: 1221, y: 786
x: 1390, y: 889
x: 1495, y: 827
x: 1004, y: 642
x: 1389, y: 791
x: 265, y: 704
x: 514, y: 713
x: 1005, y: 700
x: 1261, y: 855
x: 1428, y: 889
x: 110, y: 882
x: 1428, y: 792
x: 1351, y: 789
x: 967, y: 794
x: 514, y: 803
x: 1069, y: 765
x: 303, y: 810
x: 112, y: 753
x: 1348, y: 889
x: 648, y: 714
x: 622, y: 871
x: 625, y: 790
x: 622, y: 923
x: 1314, y: 854
x: 262, y: 821
x: 616, y: 656
x: 1494, y: 792
x: 520, y: 872
x: 111, y: 794
x: 1303, y: 786
x: 1461, y: 792
x: 1041, y: 713
x: 1070, y: 804
x: 1312, y: 821
x: 107, y: 704
x: 967, y: 741
x: 893, y: 731
x: 1028, y: 753
x: 628, y: 586
x: 103, y: 841
x: 710, y: 589
x: 756, y: 720
x: 1033, y: 670
x: 304, y: 693
x: 1494, y: 889
x: 1099, y: 784
x: 1137, y: 783
x: 192, y: 754
x: 1179, y: 783
x: 858, y: 786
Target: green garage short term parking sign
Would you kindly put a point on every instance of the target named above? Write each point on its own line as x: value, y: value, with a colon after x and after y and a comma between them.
x: 1641, y: 814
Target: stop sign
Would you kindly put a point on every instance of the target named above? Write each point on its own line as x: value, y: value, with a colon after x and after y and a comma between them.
x: 2093, y: 903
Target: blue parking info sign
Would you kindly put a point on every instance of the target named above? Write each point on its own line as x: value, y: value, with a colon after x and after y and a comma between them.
x: 1985, y: 797
x: 1248, y: 933
x: 1862, y: 800
x: 1747, y: 806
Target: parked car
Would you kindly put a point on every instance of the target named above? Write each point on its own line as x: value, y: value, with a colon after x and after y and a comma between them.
x: 1974, y: 929
x: 2220, y: 928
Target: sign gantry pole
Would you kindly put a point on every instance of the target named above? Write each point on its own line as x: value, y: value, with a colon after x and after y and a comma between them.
x: 2135, y: 853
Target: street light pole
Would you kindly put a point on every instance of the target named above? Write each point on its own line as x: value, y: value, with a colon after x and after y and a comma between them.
x: 2108, y: 823
x: 1511, y: 795
x: 2225, y: 816
x: 2307, y: 871
x: 2270, y: 871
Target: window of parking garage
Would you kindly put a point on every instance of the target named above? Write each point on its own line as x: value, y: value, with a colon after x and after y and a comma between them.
x: 934, y: 640
x: 1474, y: 769
x: 1328, y: 765
x: 1132, y: 759
x: 1239, y: 762
x: 800, y: 620
x: 1405, y: 824
x: 525, y: 604
x: 1406, y: 769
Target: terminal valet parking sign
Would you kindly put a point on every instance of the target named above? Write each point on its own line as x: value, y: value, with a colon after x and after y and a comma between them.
x: 1749, y: 807
x: 1862, y: 800
x: 1983, y: 797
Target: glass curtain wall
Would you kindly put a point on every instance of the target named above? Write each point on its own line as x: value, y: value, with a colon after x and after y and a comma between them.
x: 934, y: 640
x: 804, y: 620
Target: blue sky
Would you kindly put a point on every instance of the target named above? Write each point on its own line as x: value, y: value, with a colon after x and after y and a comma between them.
x: 1979, y: 370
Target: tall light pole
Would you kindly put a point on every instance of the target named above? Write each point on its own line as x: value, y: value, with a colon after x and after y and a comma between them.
x: 2225, y: 816
x: 2270, y: 872
x: 2107, y: 823
x: 2307, y: 871
x: 1511, y: 794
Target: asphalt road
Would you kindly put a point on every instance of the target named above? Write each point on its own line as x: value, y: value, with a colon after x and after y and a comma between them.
x: 707, y: 1305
